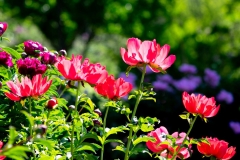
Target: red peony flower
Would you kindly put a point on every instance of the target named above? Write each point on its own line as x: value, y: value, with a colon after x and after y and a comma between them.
x: 1, y: 145
x: 201, y: 105
x: 30, y: 66
x: 3, y: 27
x: 33, y: 48
x: 217, y: 148
x: 74, y: 69
x: 147, y: 52
x: 113, y: 89
x: 27, y: 87
x: 5, y: 59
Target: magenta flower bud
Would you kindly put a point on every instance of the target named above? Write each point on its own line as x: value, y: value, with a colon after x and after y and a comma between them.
x: 48, y: 58
x: 62, y: 52
x: 30, y: 66
x: 71, y: 107
x: 96, y: 122
x: 41, y: 129
x: 33, y: 48
x: 5, y: 59
x: 98, y: 112
x: 52, y: 103
x: 3, y: 27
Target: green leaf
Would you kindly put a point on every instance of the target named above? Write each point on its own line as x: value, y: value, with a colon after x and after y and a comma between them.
x: 114, y: 130
x: 12, y: 52
x: 149, y: 98
x: 183, y: 116
x: 143, y: 139
x: 137, y: 150
x: 29, y: 117
x: 113, y: 140
x: 89, y: 135
x: 88, y: 147
x: 120, y: 148
x: 17, y: 152
x: 47, y: 143
x: 100, y: 140
x: 88, y: 101
x: 12, y: 135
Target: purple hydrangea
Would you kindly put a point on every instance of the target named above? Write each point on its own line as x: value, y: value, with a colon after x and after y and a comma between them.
x: 5, y: 59
x: 225, y: 96
x: 131, y: 78
x: 30, y: 66
x: 33, y: 48
x: 235, y: 126
x: 188, y: 84
x: 48, y: 58
x: 211, y: 77
x: 187, y: 68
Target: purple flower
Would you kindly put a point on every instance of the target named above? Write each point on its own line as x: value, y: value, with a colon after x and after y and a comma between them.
x: 131, y: 78
x: 5, y: 59
x: 187, y: 68
x: 225, y: 96
x: 235, y: 126
x: 48, y: 58
x: 187, y: 83
x: 30, y: 66
x: 160, y: 85
x: 148, y: 70
x: 165, y: 78
x: 211, y: 77
x: 33, y: 48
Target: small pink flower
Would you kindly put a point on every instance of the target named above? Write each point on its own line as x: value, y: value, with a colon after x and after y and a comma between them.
x: 3, y: 27
x: 147, y: 52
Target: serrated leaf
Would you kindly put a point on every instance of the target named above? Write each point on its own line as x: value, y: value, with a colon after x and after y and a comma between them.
x: 113, y: 140
x: 143, y: 139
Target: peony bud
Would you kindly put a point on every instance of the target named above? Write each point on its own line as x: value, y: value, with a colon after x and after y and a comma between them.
x: 98, y: 112
x: 62, y: 52
x: 96, y: 122
x: 52, y: 103
x: 41, y: 129
x: 3, y: 27
x: 0, y: 84
x: 71, y: 107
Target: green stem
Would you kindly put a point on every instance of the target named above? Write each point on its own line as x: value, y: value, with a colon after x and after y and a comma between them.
x: 73, y: 124
x: 104, y: 126
x: 30, y: 112
x: 48, y: 115
x: 62, y: 91
x: 185, y: 138
x: 126, y: 157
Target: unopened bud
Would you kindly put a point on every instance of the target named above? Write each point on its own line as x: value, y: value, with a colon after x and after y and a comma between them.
x: 98, y: 112
x: 24, y: 55
x: 62, y: 52
x: 52, y: 103
x: 0, y: 84
x: 96, y: 122
x: 71, y: 107
x: 41, y: 129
